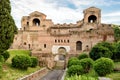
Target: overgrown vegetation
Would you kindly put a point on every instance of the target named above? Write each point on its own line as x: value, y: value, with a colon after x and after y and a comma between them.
x: 103, y: 66
x: 104, y: 54
x: 11, y: 73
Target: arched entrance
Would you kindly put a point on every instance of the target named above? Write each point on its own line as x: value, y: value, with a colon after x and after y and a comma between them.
x: 92, y: 19
x: 36, y: 22
x: 61, y: 53
x: 61, y: 58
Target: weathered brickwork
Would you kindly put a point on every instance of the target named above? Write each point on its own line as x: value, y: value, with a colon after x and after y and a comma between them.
x: 40, y: 34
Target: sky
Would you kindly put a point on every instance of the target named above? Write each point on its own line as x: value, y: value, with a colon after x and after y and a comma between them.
x: 66, y: 11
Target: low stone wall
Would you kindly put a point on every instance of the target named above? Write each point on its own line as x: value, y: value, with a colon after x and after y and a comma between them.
x: 36, y: 75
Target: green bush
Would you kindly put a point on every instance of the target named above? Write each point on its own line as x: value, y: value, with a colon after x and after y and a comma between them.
x: 100, y: 51
x: 81, y: 77
x: 70, y: 60
x: 34, y: 61
x: 21, y: 62
x: 116, y: 55
x: 2, y: 59
x: 82, y: 56
x: 73, y: 62
x: 6, y: 55
x: 87, y: 64
x: 1, y: 70
x: 103, y: 66
x: 75, y: 69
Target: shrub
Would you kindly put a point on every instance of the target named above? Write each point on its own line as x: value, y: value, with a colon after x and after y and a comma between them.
x: 82, y: 56
x: 34, y: 61
x: 21, y: 62
x: 73, y: 62
x: 2, y: 59
x: 1, y: 70
x: 6, y: 55
x: 75, y: 69
x: 116, y: 55
x: 87, y: 64
x: 100, y: 51
x: 103, y: 66
x: 81, y: 77
x: 70, y: 60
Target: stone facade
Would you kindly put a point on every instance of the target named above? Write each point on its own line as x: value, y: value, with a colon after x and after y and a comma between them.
x: 41, y: 34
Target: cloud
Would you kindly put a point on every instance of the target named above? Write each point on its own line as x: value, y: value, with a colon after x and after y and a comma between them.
x: 60, y: 11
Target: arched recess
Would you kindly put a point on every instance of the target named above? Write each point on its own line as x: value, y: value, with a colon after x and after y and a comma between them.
x: 61, y: 53
x: 78, y: 45
x: 92, y: 19
x: 36, y: 22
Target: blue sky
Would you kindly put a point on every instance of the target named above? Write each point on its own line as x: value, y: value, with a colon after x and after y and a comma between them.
x: 66, y: 11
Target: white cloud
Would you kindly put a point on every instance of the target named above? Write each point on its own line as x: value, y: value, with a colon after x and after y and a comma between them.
x: 58, y: 11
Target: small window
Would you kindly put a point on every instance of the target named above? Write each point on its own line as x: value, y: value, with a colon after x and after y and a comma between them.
x: 55, y: 40
x: 27, y: 23
x: 61, y: 41
x: 58, y: 40
x: 68, y: 41
x: 24, y: 43
x: 44, y: 45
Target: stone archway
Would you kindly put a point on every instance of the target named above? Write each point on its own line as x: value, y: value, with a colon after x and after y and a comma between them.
x: 60, y: 58
x: 62, y: 53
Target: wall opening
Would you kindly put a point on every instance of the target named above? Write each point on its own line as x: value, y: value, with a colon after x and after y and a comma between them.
x: 78, y: 45
x: 92, y: 19
x: 61, y: 52
x: 36, y: 22
x: 44, y: 45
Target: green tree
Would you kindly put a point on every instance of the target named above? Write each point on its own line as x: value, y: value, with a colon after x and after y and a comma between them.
x: 116, y: 32
x: 100, y: 51
x: 7, y: 26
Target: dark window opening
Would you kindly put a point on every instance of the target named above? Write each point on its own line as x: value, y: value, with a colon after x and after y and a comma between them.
x: 58, y: 40
x: 61, y: 41
x: 29, y: 46
x: 68, y: 41
x: 44, y: 45
x: 55, y: 40
x: 24, y: 43
x: 24, y: 28
x: 36, y: 22
x: 92, y: 19
x: 27, y: 23
x: 78, y: 45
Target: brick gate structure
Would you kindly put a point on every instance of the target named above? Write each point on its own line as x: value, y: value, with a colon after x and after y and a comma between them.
x: 45, y: 38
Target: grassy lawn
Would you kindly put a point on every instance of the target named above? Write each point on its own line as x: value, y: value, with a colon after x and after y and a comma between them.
x: 10, y: 73
x: 115, y: 75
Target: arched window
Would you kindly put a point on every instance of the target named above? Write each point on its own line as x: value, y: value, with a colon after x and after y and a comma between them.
x: 78, y: 45
x: 92, y: 19
x: 36, y: 22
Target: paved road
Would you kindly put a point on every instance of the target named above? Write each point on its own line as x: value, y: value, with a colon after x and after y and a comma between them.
x: 53, y: 75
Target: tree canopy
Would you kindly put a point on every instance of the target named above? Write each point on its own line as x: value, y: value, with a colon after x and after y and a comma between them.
x: 7, y: 26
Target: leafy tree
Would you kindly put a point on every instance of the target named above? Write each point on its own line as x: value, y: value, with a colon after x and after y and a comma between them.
x: 116, y: 32
x: 100, y: 51
x: 82, y: 56
x: 7, y: 26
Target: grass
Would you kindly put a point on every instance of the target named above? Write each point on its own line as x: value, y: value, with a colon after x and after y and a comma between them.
x: 13, y: 73
x: 115, y: 75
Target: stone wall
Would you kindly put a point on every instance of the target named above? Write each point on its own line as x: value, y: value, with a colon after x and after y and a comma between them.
x: 36, y: 75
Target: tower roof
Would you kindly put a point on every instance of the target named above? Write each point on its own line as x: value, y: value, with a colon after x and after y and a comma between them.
x: 92, y: 9
x: 37, y: 13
